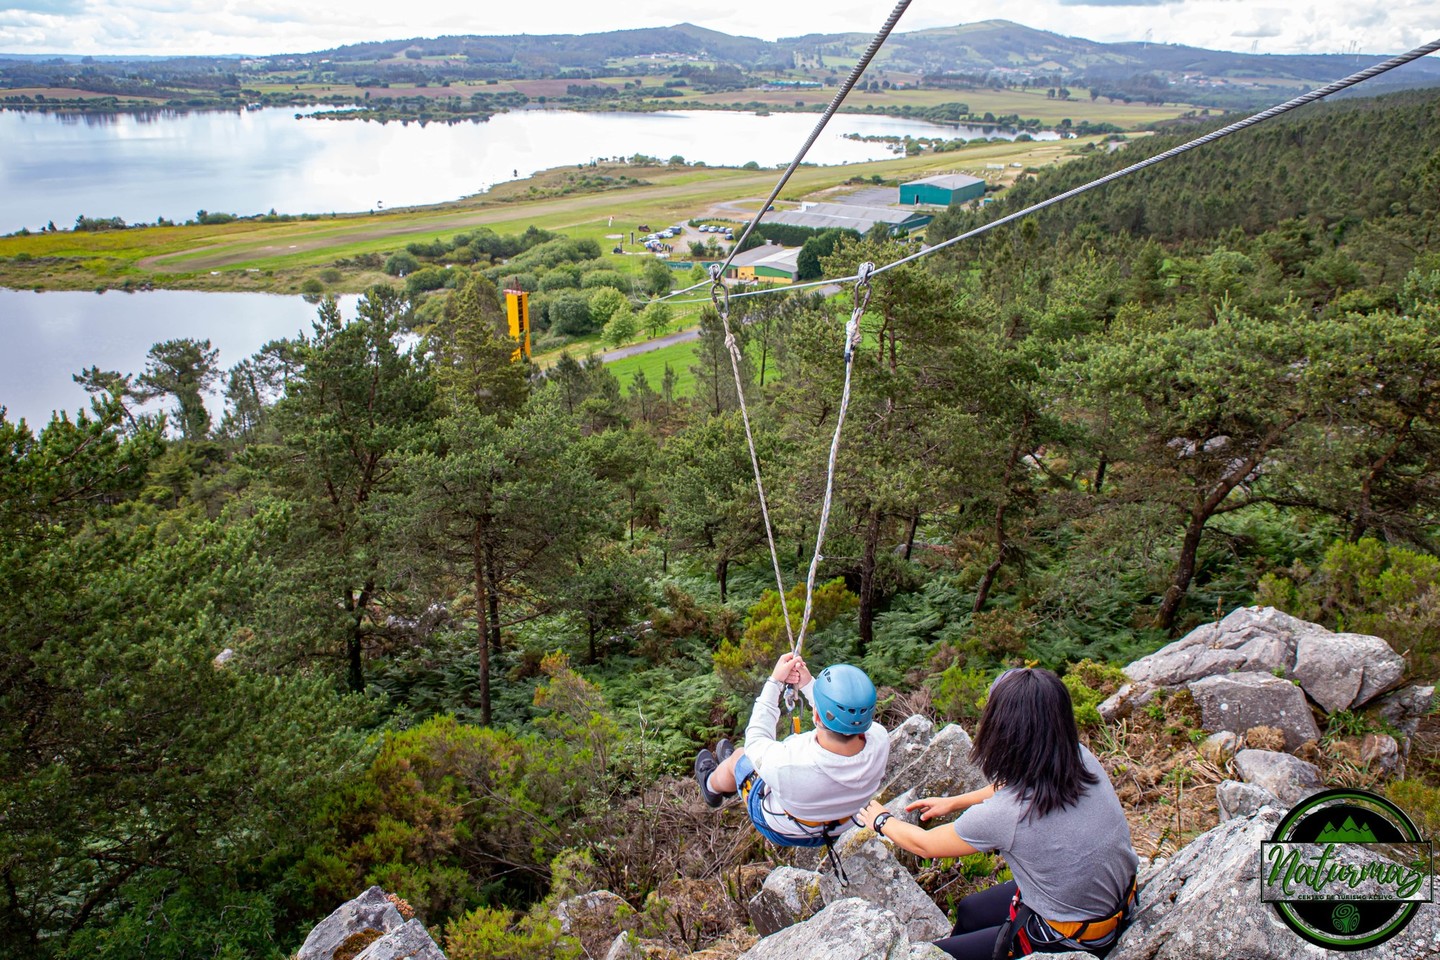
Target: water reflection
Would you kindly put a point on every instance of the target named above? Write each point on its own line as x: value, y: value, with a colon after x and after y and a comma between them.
x: 169, y: 164
x: 51, y: 336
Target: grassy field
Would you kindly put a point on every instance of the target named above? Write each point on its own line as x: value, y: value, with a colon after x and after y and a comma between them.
x: 679, y: 358
x: 278, y: 256
x: 1025, y: 103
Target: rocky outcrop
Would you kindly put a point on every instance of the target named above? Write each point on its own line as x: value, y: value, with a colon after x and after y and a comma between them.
x: 1239, y: 701
x: 848, y: 929
x: 1254, y: 639
x: 907, y: 742
x: 1205, y: 905
x: 369, y: 914
x: 410, y: 942
x: 1344, y: 670
x: 943, y: 768
x: 875, y: 875
x: 1289, y: 779
x: 788, y: 896
x: 1339, y: 671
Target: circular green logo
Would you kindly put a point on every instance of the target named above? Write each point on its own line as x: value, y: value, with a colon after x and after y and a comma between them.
x: 1346, y: 869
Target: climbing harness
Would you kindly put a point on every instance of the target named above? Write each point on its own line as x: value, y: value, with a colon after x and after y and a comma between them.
x: 1092, y: 936
x: 828, y: 828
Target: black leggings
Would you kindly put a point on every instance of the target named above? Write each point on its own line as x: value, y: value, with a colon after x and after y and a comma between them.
x: 977, y: 923
x: 978, y: 919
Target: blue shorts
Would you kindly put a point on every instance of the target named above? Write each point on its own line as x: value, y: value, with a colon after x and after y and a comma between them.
x: 752, y: 789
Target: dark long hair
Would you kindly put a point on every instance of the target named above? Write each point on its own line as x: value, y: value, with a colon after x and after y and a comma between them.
x: 1027, y: 740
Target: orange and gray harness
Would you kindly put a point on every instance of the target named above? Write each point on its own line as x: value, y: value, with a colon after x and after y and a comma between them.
x: 1096, y: 936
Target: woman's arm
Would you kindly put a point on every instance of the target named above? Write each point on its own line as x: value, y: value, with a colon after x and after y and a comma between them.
x: 941, y: 841
x: 931, y: 807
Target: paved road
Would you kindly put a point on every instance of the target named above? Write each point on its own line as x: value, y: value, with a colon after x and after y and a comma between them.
x: 620, y: 353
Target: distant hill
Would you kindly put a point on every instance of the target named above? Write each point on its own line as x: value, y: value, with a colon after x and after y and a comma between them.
x: 1002, y: 45
x: 592, y: 50
x: 989, y: 53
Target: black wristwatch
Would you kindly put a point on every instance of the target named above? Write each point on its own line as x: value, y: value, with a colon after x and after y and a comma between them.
x: 878, y: 824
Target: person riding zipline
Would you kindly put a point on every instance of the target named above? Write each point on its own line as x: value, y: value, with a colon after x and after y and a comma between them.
x: 805, y: 790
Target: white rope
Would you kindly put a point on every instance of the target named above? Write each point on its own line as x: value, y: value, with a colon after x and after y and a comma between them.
x: 720, y: 295
x: 852, y: 340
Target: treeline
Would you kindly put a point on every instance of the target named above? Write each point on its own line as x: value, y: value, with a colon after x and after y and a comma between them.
x: 417, y: 614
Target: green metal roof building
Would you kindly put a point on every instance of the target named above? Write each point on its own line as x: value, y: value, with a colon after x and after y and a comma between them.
x: 942, y: 190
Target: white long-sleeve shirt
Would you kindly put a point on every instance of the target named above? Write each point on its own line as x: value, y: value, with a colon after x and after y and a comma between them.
x: 805, y: 779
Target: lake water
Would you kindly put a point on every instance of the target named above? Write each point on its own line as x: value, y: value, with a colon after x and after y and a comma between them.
x: 58, y: 167
x: 51, y: 336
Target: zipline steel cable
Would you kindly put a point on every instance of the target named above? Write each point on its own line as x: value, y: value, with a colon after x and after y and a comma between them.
x: 720, y: 296
x: 1275, y: 111
x: 860, y: 66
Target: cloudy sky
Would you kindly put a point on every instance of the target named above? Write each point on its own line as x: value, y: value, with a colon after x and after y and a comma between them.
x: 297, y: 26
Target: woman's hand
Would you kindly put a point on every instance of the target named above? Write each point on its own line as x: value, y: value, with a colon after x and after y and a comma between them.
x: 931, y: 807
x: 872, y: 810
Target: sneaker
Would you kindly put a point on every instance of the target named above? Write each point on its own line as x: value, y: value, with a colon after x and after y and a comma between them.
x: 704, y: 766
x: 723, y: 749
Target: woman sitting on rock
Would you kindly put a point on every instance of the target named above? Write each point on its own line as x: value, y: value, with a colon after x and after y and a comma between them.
x: 1050, y: 810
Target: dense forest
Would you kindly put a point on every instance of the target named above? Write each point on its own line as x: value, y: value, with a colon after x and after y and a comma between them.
x: 414, y: 613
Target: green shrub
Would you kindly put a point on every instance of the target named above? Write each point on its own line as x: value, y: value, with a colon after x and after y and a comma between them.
x: 1089, y: 684
x: 1368, y: 587
x: 1420, y: 800
x: 961, y: 693
x: 742, y: 665
x: 401, y: 264
x: 604, y: 278
x: 486, y: 934
x: 312, y: 286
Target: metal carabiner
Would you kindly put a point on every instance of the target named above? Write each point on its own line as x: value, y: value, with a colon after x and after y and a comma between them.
x: 853, y: 336
x: 719, y: 293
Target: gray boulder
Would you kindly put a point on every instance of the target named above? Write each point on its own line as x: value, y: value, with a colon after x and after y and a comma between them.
x: 849, y: 929
x: 1381, y: 752
x: 1237, y: 799
x: 942, y: 769
x: 1344, y: 670
x: 1239, y: 701
x: 1405, y: 707
x: 1205, y: 905
x: 1260, y: 639
x: 788, y: 896
x: 875, y: 875
x: 411, y: 942
x: 1289, y: 779
x: 907, y: 742
x: 369, y: 911
x: 1125, y: 701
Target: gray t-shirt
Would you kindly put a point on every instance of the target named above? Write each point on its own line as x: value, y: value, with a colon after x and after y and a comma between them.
x: 1072, y: 864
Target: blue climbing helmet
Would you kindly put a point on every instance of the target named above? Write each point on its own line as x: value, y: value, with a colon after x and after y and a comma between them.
x: 845, y: 699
